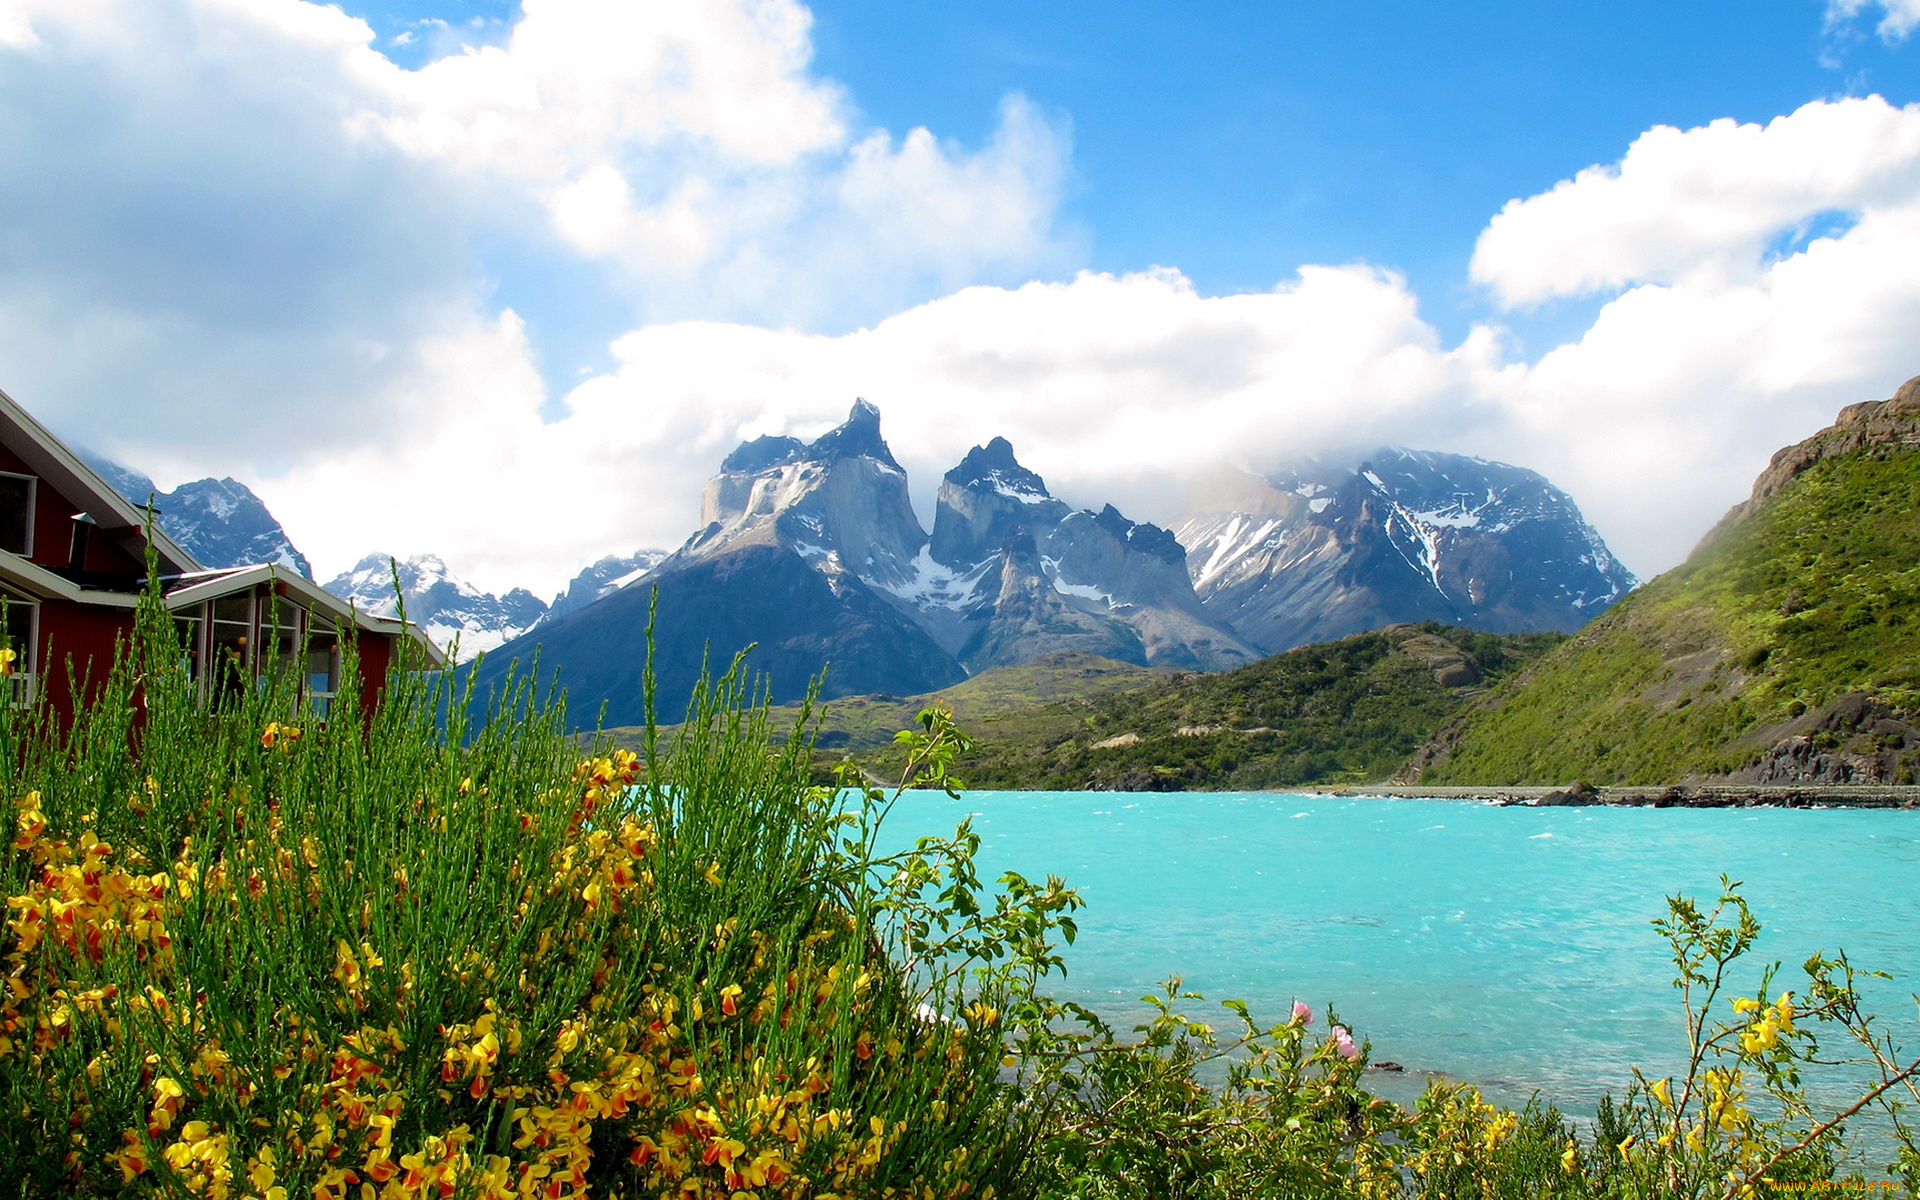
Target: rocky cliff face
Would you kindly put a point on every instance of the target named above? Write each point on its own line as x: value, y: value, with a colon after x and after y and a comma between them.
x: 1043, y: 578
x: 841, y: 501
x: 796, y: 540
x: 1327, y: 550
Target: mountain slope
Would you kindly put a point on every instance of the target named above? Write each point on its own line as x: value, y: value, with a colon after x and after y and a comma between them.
x: 1785, y: 649
x: 712, y: 607
x: 1348, y: 711
x: 1326, y: 550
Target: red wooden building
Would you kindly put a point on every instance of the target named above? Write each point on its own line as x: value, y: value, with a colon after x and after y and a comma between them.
x: 73, y: 562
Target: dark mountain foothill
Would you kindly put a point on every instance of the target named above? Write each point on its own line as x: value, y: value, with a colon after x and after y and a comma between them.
x: 711, y: 608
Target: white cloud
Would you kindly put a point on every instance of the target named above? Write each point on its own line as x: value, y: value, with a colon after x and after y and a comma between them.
x: 1898, y: 17
x: 1700, y: 204
x: 1728, y: 337
x: 1113, y: 388
x: 1723, y: 345
x: 230, y: 229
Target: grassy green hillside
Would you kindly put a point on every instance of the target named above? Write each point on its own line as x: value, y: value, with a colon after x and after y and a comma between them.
x: 1340, y: 712
x: 1803, y: 619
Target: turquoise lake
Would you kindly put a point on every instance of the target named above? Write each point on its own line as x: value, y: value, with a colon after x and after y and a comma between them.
x: 1505, y: 946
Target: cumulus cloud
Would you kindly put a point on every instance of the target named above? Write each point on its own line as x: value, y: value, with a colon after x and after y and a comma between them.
x: 232, y: 229
x: 1732, y: 331
x: 1114, y: 388
x: 1700, y: 205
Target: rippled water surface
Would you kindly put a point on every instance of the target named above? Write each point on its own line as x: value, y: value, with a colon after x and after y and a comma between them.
x: 1508, y: 946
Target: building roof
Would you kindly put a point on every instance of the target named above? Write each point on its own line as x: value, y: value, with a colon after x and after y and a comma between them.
x: 197, y: 586
x: 63, y: 469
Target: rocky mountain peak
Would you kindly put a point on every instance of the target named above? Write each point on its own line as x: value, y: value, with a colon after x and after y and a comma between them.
x: 840, y: 499
x: 218, y: 521
x: 858, y: 437
x: 763, y: 454
x: 994, y: 466
x: 985, y: 500
x: 443, y: 605
x: 1891, y: 422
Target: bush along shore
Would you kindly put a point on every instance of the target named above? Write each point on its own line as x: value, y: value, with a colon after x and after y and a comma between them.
x: 445, y: 953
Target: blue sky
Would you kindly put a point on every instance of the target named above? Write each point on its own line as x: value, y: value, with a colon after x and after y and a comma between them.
x: 1236, y: 141
x: 374, y: 260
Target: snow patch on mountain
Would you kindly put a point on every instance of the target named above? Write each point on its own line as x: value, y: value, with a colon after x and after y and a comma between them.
x: 603, y: 579
x: 218, y: 521
x: 1308, y: 554
x: 936, y: 585
x: 445, y: 607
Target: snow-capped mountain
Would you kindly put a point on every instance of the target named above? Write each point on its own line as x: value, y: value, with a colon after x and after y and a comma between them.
x: 445, y: 607
x: 811, y: 552
x: 795, y: 538
x: 602, y: 579
x: 218, y: 521
x: 1012, y: 573
x: 1326, y: 550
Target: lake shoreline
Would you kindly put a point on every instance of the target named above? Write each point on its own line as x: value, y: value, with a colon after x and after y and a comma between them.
x: 1695, y: 795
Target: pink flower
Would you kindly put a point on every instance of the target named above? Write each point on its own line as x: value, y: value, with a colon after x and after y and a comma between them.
x: 1302, y: 1015
x: 1343, y: 1043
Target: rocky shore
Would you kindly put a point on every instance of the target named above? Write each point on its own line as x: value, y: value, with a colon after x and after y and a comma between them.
x: 1693, y: 795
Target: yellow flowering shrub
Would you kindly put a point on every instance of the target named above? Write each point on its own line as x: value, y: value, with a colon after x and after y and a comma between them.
x: 420, y: 957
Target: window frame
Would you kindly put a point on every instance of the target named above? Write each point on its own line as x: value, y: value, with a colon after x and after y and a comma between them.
x: 22, y: 683
x: 33, y: 508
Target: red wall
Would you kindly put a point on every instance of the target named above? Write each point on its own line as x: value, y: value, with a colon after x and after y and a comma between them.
x: 86, y: 634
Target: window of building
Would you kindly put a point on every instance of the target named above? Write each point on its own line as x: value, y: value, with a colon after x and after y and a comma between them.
x: 188, y: 626
x: 22, y: 635
x: 323, y: 664
x: 16, y: 513
x: 279, y: 644
x: 230, y: 640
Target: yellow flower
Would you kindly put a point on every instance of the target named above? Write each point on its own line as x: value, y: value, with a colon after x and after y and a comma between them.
x: 7, y: 659
x: 1570, y: 1158
x: 1660, y: 1092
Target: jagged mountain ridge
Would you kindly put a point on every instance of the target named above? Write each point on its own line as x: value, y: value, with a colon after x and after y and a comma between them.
x: 223, y: 524
x: 602, y: 579
x: 1031, y: 576
x: 218, y: 521
x: 794, y: 537
x: 1326, y: 550
x: 445, y: 607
